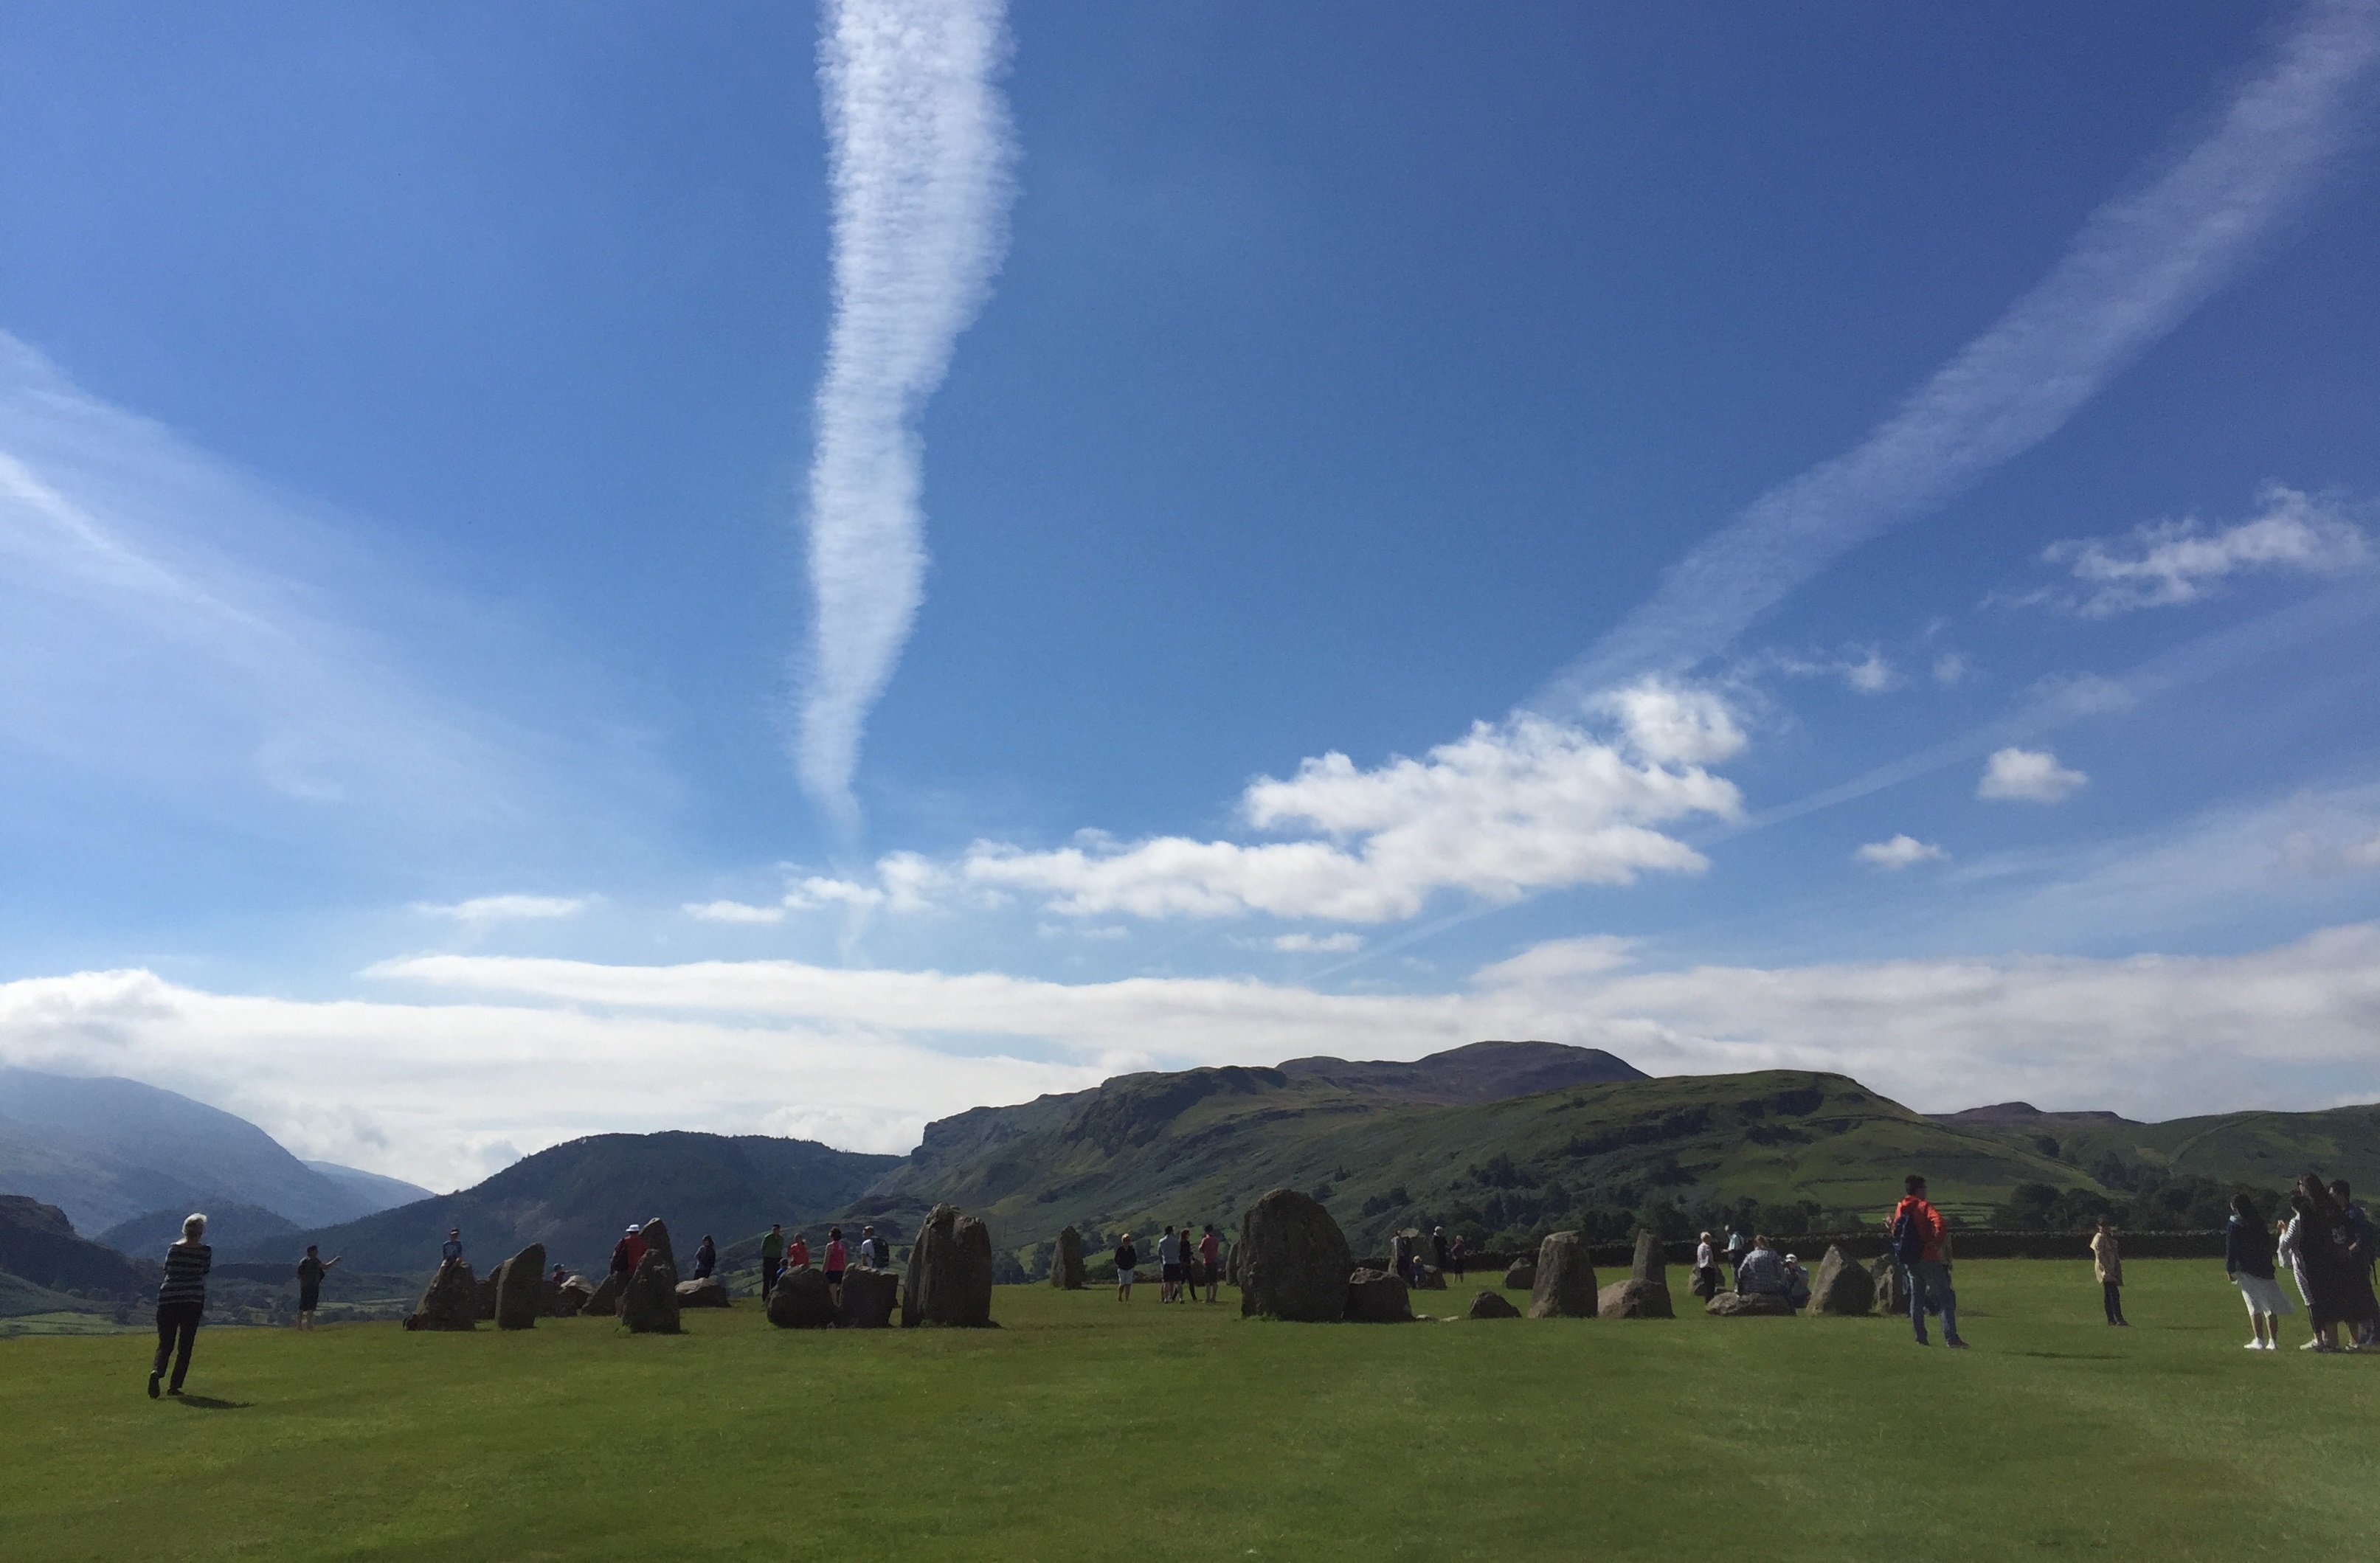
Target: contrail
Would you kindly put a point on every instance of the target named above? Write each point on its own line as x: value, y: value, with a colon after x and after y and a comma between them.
x: 921, y: 154
x: 2141, y: 263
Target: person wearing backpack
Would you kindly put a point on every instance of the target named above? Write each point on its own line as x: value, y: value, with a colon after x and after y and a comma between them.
x: 1916, y: 1232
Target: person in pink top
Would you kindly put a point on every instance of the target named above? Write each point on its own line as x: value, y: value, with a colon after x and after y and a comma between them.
x: 835, y: 1265
x: 1210, y: 1249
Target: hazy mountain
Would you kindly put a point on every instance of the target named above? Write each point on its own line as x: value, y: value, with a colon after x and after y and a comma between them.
x: 231, y: 1228
x: 107, y: 1150
x: 385, y: 1192
x: 39, y: 1246
x: 576, y: 1198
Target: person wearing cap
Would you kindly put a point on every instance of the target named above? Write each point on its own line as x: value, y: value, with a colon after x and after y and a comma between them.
x: 1797, y: 1281
x: 629, y: 1253
x: 451, y: 1251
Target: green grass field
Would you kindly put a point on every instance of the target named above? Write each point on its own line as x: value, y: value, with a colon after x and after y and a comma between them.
x: 1085, y: 1428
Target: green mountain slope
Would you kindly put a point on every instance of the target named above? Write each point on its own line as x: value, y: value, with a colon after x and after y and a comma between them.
x: 39, y: 1248
x: 2260, y: 1149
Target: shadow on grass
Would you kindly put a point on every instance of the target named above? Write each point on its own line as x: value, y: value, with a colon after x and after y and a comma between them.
x: 208, y: 1402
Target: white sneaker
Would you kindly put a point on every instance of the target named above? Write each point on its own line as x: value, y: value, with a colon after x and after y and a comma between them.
x: 2253, y: 1345
x: 2314, y: 1345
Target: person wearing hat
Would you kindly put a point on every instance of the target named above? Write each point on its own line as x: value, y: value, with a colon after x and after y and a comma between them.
x: 451, y: 1251
x: 629, y: 1253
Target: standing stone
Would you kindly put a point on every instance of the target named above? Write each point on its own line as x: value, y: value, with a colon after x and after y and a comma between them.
x: 1491, y: 1305
x: 1232, y: 1265
x: 1748, y: 1304
x: 1842, y: 1287
x: 1651, y: 1264
x: 708, y: 1293
x: 801, y: 1301
x: 649, y: 1302
x: 605, y: 1298
x: 451, y: 1302
x: 520, y: 1288
x: 1378, y: 1297
x: 1066, y: 1262
x: 1522, y: 1277
x: 1565, y: 1287
x: 657, y: 1240
x: 484, y: 1297
x: 1294, y: 1262
x: 867, y: 1299
x: 1891, y: 1285
x: 948, y: 1281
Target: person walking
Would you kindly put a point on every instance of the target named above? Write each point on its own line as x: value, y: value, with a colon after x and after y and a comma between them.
x: 1917, y: 1233
x: 181, y: 1302
x: 1127, y: 1260
x: 706, y: 1258
x: 311, y: 1271
x: 772, y: 1259
x: 2248, y: 1254
x: 2108, y: 1265
x: 834, y: 1262
x: 1210, y: 1255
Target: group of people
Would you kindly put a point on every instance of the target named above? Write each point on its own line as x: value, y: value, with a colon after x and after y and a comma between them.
x: 1759, y: 1269
x: 780, y: 1253
x: 1181, y: 1263
x: 1447, y: 1258
x: 2330, y: 1246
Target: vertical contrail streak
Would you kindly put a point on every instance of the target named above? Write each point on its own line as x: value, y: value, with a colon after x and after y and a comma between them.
x: 921, y: 153
x: 2140, y: 266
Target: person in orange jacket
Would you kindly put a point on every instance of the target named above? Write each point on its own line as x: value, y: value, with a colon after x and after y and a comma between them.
x: 1916, y: 1232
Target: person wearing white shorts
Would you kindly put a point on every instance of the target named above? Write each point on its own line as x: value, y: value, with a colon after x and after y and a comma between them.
x: 2248, y: 1253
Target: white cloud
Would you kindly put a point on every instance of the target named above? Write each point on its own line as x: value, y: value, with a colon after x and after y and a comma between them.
x: 920, y: 157
x: 1950, y: 667
x: 733, y: 912
x: 1672, y: 723
x: 2014, y: 775
x: 1872, y: 675
x: 1527, y: 805
x: 1901, y: 852
x: 2141, y: 263
x: 507, y: 908
x: 2314, y: 853
x: 2166, y: 562
x: 1318, y: 944
x: 906, y: 882
x: 1559, y: 960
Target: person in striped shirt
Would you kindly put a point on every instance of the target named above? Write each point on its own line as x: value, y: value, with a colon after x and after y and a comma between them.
x: 181, y: 1300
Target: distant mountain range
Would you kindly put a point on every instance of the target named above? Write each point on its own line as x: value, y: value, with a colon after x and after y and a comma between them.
x: 2258, y: 1148
x: 106, y: 1150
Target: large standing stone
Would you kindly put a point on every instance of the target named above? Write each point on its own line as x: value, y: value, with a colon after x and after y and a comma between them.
x: 949, y: 1280
x: 657, y: 1240
x: 802, y: 1300
x: 484, y: 1296
x: 649, y: 1302
x: 1293, y: 1261
x: 869, y: 1297
x: 708, y: 1293
x: 520, y: 1288
x: 1491, y: 1305
x: 1651, y: 1265
x: 451, y: 1301
x: 1565, y: 1287
x: 1378, y: 1297
x: 605, y: 1298
x: 1842, y: 1286
x: 1066, y: 1260
x: 1633, y: 1300
x: 1891, y: 1285
x: 1522, y: 1275
x: 1748, y: 1304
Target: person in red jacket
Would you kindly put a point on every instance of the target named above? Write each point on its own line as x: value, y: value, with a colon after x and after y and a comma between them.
x: 1917, y: 1225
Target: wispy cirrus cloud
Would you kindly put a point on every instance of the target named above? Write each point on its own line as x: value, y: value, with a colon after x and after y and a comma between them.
x: 922, y: 152
x: 2140, y: 266
x: 2165, y: 564
x: 510, y: 908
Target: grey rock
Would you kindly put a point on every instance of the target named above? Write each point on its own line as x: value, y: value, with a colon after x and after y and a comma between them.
x: 1378, y: 1297
x: 802, y: 1300
x: 450, y: 1301
x: 1491, y: 1305
x: 1428, y: 1278
x: 568, y: 1299
x: 1634, y: 1300
x: 1293, y: 1260
x: 1066, y: 1260
x: 484, y: 1298
x: 657, y: 1240
x: 1565, y: 1287
x: 1650, y: 1265
x: 1748, y: 1304
x: 868, y: 1298
x: 605, y: 1298
x: 1705, y: 1283
x: 1842, y: 1286
x: 949, y: 1280
x: 708, y: 1293
x: 520, y: 1288
x: 1890, y: 1284
x: 649, y: 1302
x: 1522, y: 1275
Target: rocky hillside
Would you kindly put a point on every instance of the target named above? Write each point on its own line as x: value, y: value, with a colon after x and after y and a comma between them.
x: 40, y: 1248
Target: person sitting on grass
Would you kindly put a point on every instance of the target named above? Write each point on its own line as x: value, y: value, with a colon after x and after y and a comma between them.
x: 2248, y: 1262
x: 311, y: 1271
x: 1127, y: 1260
x: 1761, y: 1272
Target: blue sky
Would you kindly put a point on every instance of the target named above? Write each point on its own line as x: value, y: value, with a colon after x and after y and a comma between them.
x: 421, y: 422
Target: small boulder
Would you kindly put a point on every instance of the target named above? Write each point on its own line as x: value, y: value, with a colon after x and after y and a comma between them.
x: 868, y: 1298
x: 1522, y: 1277
x: 649, y: 1302
x: 1491, y: 1305
x: 1565, y: 1287
x: 1842, y: 1286
x: 1428, y: 1278
x: 1748, y: 1304
x: 1633, y: 1300
x: 1378, y: 1297
x: 451, y: 1301
x: 949, y: 1280
x: 708, y: 1293
x: 802, y: 1300
x: 1891, y: 1283
x: 1066, y: 1260
x: 567, y: 1299
x: 520, y: 1288
x: 1293, y: 1260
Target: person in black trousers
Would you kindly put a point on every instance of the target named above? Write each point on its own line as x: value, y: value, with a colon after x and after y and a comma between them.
x: 181, y: 1302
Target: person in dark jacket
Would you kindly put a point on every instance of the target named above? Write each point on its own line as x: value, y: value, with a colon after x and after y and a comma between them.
x: 1128, y: 1261
x: 311, y: 1271
x: 2322, y: 1258
x: 2362, y: 1306
x: 181, y: 1302
x: 2248, y: 1261
x: 706, y: 1258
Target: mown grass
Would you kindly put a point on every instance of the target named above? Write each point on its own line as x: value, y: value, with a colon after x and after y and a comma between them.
x: 1085, y: 1427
